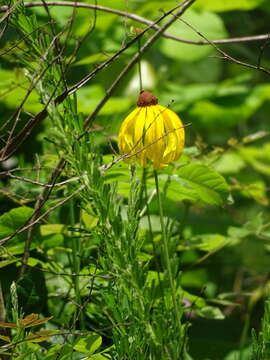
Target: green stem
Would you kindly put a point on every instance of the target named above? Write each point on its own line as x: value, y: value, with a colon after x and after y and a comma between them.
x: 144, y: 184
x: 139, y: 65
x: 244, y: 335
x: 76, y: 265
x: 166, y: 250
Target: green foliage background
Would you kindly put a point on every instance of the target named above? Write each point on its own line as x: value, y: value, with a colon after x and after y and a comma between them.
x: 215, y: 197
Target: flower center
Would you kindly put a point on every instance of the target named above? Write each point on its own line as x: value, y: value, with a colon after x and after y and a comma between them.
x: 146, y: 98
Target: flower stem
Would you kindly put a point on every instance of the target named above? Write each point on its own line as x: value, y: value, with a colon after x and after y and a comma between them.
x: 166, y: 250
x: 139, y: 65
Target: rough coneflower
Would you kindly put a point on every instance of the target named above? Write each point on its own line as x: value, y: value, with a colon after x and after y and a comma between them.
x: 153, y: 133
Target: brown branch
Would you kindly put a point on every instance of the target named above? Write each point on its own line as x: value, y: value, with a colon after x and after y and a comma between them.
x: 35, y: 218
x: 128, y: 156
x: 141, y: 20
x: 224, y: 55
x: 101, y: 276
x: 136, y: 58
x: 26, y: 227
x: 16, y: 141
x: 33, y: 182
x: 42, y: 198
x: 25, y: 37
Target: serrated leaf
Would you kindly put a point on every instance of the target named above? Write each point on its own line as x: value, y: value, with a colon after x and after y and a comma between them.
x: 201, y: 184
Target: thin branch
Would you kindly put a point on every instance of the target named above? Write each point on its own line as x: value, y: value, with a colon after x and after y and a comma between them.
x: 128, y: 156
x: 16, y: 141
x: 101, y: 276
x: 33, y: 182
x: 136, y: 58
x: 22, y: 39
x: 224, y: 55
x: 26, y: 227
x: 141, y: 20
x: 41, y: 200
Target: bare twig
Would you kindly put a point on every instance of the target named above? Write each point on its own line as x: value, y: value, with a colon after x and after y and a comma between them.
x: 33, y: 182
x: 224, y: 55
x: 42, y: 198
x: 101, y: 276
x: 16, y: 141
x: 141, y: 20
x: 136, y: 57
x: 26, y: 227
x: 35, y: 218
x: 262, y: 48
x: 23, y: 39
x: 128, y: 156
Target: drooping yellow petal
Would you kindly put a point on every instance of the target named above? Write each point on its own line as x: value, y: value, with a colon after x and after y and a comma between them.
x: 151, y: 133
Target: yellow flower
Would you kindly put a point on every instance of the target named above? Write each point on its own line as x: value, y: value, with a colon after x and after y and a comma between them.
x: 151, y: 133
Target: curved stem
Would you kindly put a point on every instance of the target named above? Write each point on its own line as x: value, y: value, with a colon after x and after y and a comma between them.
x: 140, y: 19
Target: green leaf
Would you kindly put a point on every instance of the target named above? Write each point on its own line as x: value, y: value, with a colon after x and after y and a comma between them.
x: 209, y: 24
x: 210, y: 242
x: 257, y: 157
x: 88, y: 344
x: 40, y: 336
x: 195, y: 278
x: 227, y: 5
x: 7, y: 262
x: 211, y: 312
x: 61, y: 352
x: 252, y: 186
x: 14, y: 219
x: 231, y: 105
x: 97, y: 357
x: 12, y: 91
x: 229, y: 163
x: 10, y: 222
x: 198, y: 183
x: 51, y: 229
x: 92, y: 59
x: 186, y: 95
x: 244, y: 354
x: 88, y: 219
x: 90, y: 96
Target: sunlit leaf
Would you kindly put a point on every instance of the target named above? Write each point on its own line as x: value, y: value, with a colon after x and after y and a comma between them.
x: 228, y: 5
x: 199, y: 183
x: 5, y: 338
x: 88, y: 344
x: 209, y: 24
x: 211, y: 312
